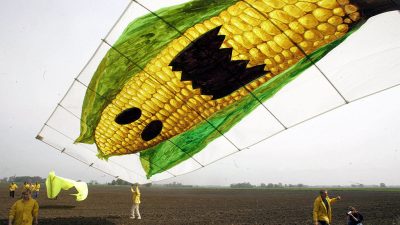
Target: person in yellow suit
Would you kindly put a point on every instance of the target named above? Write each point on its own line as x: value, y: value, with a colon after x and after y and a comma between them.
x: 136, y: 201
x: 12, y: 187
x: 35, y: 190
x: 27, y: 186
x: 24, y: 211
x: 322, y: 213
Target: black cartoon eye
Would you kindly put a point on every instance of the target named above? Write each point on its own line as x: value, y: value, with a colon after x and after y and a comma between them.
x: 152, y: 130
x: 128, y: 116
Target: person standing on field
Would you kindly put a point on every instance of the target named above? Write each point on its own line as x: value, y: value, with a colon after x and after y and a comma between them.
x: 136, y: 201
x: 27, y: 186
x: 12, y: 187
x: 24, y: 211
x: 322, y: 212
x: 36, y: 189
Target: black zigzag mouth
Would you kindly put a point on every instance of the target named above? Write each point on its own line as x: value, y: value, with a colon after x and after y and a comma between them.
x: 210, y: 67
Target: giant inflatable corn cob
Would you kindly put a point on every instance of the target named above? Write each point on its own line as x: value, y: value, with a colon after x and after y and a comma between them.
x: 218, y: 62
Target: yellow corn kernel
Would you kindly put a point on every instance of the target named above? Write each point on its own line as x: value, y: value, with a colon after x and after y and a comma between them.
x: 262, y: 34
x: 295, y: 37
x: 278, y: 58
x: 148, y: 88
x: 256, y: 54
x: 335, y: 20
x: 234, y: 10
x: 308, y: 21
x: 250, y: 20
x: 262, y: 7
x: 270, y: 63
x: 338, y: 11
x: 328, y: 4
x: 237, y: 22
x: 350, y: 9
x: 306, y: 46
x: 281, y: 26
x: 281, y: 16
x: 355, y: 16
x: 306, y: 6
x: 283, y: 41
x: 287, y: 54
x: 326, y: 28
x: 277, y: 4
x: 266, y: 50
x: 254, y: 14
x: 343, y: 2
x: 343, y: 28
x: 232, y: 29
x: 294, y: 11
x: 313, y: 35
x: 270, y: 28
x: 274, y: 46
x: 217, y: 21
x: 225, y: 16
x: 252, y: 38
x: 347, y: 20
x: 297, y: 27
x: 290, y: 2
x: 322, y: 15
x: 208, y: 24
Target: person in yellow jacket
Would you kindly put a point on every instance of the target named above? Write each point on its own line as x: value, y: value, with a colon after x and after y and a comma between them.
x: 12, y: 187
x: 135, y: 201
x: 27, y: 186
x: 24, y: 211
x: 35, y: 190
x: 322, y: 212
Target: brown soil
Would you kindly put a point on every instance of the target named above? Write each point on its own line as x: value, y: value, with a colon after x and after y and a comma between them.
x: 109, y: 205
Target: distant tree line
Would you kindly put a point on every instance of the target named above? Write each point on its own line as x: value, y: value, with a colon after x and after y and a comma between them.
x: 119, y: 182
x: 22, y: 179
x: 176, y: 184
x: 269, y: 185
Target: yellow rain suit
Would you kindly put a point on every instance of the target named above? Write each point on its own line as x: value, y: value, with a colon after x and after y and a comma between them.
x: 135, y: 195
x: 136, y: 202
x: 23, y: 212
x: 36, y: 187
x: 27, y: 186
x: 320, y: 212
x: 13, y: 187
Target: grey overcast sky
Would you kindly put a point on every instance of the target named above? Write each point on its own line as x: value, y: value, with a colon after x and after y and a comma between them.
x: 44, y: 44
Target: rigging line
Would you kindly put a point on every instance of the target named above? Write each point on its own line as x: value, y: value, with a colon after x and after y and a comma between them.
x: 108, y: 33
x: 70, y: 87
x: 266, y: 108
x: 77, y: 158
x: 377, y: 92
x: 119, y: 19
x: 46, y: 124
x: 301, y: 49
x: 88, y: 62
x: 322, y: 113
x: 183, y: 34
x: 172, y: 92
x: 51, y: 127
x: 332, y: 109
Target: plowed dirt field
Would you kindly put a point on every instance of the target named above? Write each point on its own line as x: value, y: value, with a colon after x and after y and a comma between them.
x: 110, y: 205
